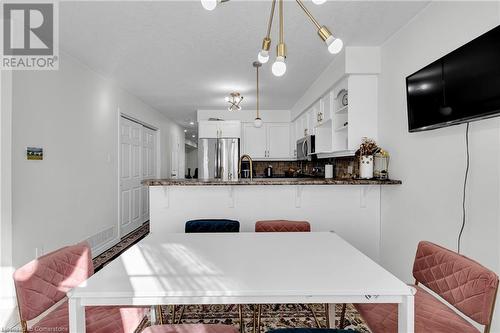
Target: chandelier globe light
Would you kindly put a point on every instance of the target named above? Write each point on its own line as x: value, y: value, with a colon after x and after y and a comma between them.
x: 211, y: 4
x: 279, y: 66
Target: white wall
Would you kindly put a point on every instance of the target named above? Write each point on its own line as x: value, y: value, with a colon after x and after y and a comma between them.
x: 7, y: 296
x: 72, y: 194
x: 5, y: 168
x: 432, y: 164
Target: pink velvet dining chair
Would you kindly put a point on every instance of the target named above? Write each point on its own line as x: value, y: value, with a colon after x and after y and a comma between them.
x: 41, y: 287
x: 286, y: 226
x: 467, y: 286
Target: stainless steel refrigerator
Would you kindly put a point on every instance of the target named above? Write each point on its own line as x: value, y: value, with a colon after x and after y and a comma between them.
x: 218, y: 158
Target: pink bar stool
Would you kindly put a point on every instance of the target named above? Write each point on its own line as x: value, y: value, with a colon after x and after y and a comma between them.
x: 282, y: 226
x: 285, y: 226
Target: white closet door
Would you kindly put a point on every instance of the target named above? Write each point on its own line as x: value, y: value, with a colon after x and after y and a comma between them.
x: 148, y: 167
x: 130, y: 176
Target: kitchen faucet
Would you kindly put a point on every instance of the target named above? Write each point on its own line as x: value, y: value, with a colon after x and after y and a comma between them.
x: 251, y: 165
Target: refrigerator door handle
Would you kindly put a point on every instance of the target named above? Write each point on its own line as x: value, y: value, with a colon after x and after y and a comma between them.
x: 216, y: 171
x: 219, y: 159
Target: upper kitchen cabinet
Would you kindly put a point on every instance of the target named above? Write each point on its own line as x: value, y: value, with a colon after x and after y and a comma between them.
x: 321, y: 111
x: 269, y: 142
x: 219, y: 129
x: 353, y: 115
x: 347, y: 111
x: 254, y: 141
x: 303, y: 126
x: 278, y: 138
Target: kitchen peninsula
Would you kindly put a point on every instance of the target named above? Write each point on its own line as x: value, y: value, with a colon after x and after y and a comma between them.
x: 349, y: 207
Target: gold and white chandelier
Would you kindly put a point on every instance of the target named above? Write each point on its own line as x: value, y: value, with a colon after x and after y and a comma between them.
x: 278, y: 68
x: 234, y: 99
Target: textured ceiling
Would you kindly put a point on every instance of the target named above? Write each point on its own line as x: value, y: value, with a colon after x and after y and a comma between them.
x: 178, y: 58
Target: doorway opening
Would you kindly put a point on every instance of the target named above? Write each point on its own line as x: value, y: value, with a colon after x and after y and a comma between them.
x: 191, y: 151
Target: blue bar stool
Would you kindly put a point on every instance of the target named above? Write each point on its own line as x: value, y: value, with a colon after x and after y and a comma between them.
x: 212, y: 225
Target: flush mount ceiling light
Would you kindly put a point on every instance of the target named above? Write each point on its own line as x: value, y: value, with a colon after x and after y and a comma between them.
x: 234, y: 99
x: 258, y: 121
x: 334, y: 45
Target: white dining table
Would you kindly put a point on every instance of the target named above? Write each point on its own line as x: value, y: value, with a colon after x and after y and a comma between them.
x: 242, y: 268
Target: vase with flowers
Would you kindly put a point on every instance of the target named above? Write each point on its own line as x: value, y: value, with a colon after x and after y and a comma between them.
x: 365, y: 152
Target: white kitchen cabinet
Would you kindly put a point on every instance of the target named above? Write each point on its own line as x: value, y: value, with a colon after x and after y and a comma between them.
x: 254, y: 141
x: 270, y: 142
x: 340, y: 128
x: 208, y: 129
x: 230, y: 129
x: 219, y: 129
x: 305, y: 129
x: 326, y: 109
x: 278, y: 140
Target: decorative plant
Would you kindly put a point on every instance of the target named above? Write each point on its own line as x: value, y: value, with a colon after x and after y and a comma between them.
x: 368, y: 147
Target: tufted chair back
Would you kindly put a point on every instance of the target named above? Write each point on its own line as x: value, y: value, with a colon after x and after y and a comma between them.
x: 282, y: 226
x: 44, y: 281
x: 462, y: 282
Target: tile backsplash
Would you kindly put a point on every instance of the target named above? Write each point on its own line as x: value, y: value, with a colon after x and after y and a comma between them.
x: 344, y: 167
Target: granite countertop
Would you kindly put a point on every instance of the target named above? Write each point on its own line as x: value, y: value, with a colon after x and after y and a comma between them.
x: 268, y: 181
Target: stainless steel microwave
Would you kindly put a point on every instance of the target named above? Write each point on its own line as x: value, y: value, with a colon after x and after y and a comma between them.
x: 305, y: 148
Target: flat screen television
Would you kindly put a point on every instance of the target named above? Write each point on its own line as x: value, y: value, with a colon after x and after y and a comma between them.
x: 462, y: 86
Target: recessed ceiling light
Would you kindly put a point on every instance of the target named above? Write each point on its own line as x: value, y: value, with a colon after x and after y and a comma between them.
x: 185, y: 131
x: 194, y: 136
x: 191, y: 123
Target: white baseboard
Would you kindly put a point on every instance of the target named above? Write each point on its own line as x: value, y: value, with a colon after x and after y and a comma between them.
x: 8, y: 307
x: 103, y: 240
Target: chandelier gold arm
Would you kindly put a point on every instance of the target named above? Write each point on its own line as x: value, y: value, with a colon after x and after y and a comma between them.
x: 282, y: 33
x: 323, y: 31
x: 270, y: 22
x: 281, y: 47
x: 308, y: 13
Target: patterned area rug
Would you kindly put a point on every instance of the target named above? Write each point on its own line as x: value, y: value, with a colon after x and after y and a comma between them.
x: 272, y: 315
x: 107, y: 256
